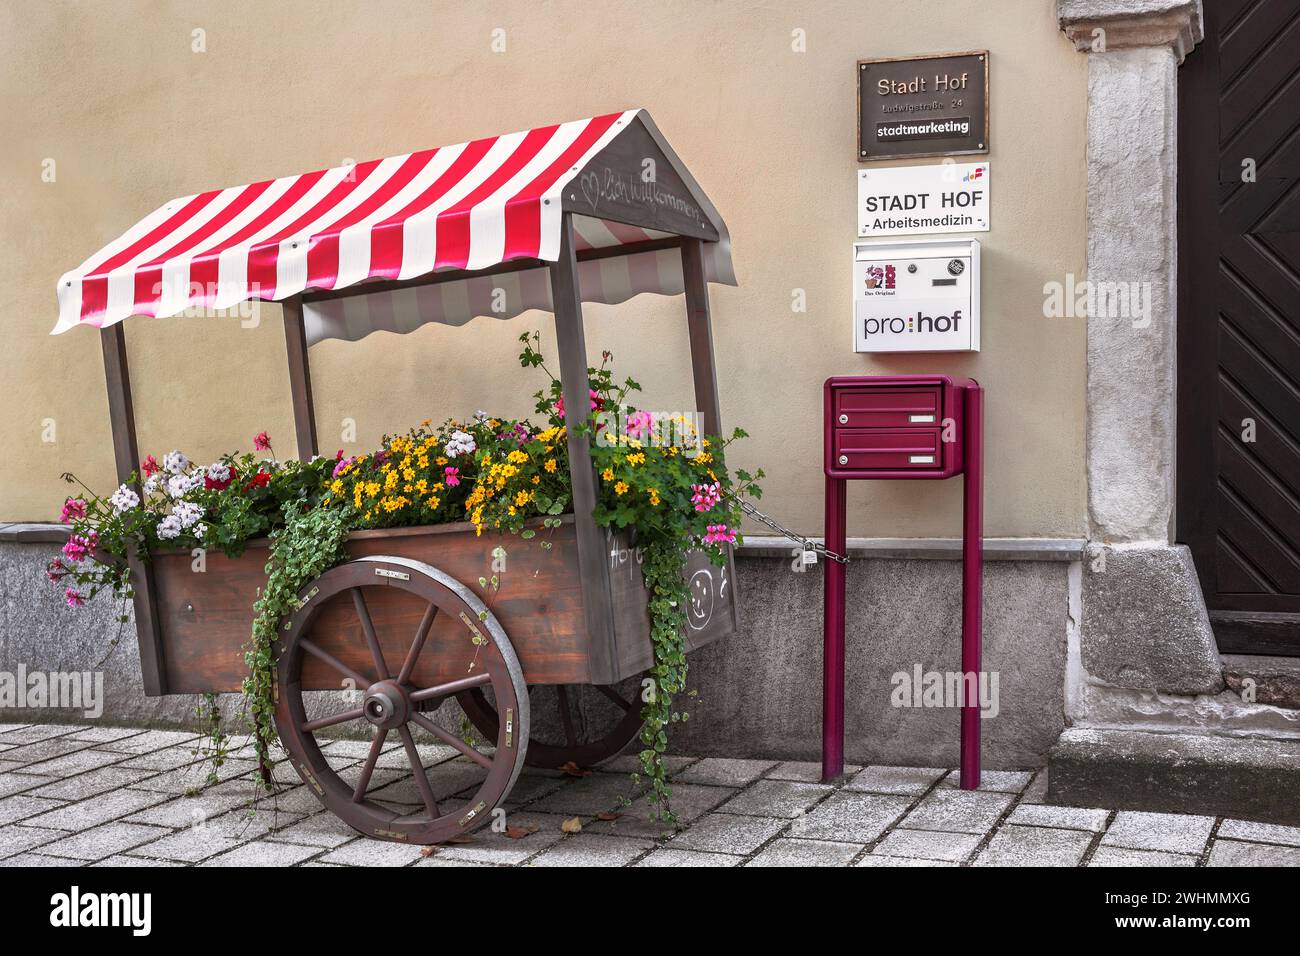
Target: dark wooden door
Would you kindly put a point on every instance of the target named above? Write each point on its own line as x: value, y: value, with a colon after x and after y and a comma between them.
x: 1239, y: 321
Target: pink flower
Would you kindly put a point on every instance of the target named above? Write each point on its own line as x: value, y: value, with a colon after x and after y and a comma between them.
x: 342, y: 464
x: 149, y: 466
x: 56, y: 570
x: 639, y: 424
x: 719, y: 534
x: 706, y: 496
x: 73, y: 509
x: 79, y: 546
x: 73, y: 597
x: 262, y: 442
x: 596, y: 402
x: 452, y: 476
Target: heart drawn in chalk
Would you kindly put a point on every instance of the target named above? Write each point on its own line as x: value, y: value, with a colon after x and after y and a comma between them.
x: 590, y: 183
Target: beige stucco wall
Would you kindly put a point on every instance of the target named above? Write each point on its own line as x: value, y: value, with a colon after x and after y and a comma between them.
x: 132, y: 117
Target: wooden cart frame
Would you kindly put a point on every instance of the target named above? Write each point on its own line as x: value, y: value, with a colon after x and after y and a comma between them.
x: 596, y: 625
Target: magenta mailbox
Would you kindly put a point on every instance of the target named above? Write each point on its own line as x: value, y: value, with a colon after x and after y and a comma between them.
x: 903, y: 426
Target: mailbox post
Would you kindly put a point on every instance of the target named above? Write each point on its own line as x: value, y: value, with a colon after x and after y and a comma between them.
x: 903, y: 426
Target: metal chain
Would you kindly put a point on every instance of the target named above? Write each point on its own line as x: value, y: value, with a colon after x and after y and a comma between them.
x: 808, y: 544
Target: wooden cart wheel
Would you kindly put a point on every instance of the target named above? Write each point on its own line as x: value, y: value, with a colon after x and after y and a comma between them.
x: 584, y: 746
x: 392, y: 703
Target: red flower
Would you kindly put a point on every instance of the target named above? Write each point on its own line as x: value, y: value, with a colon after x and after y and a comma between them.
x: 262, y: 441
x: 149, y: 466
x: 213, y: 485
x: 259, y: 480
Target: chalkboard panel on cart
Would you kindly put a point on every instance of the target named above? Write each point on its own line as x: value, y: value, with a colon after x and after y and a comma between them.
x: 934, y: 105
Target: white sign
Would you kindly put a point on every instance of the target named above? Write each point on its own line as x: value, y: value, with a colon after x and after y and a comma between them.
x: 916, y: 295
x: 944, y: 197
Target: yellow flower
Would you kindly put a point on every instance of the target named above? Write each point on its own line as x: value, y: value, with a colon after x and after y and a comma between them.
x: 372, y: 488
x: 423, y: 461
x: 422, y: 485
x: 654, y: 496
x: 440, y: 460
x: 608, y: 474
x: 336, y: 487
x: 550, y: 466
x: 636, y: 459
x: 518, y: 457
x: 621, y: 488
x: 433, y: 502
x: 537, y: 479
x: 521, y: 497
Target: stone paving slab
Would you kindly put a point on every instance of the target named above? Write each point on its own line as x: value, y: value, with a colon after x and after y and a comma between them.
x: 907, y: 780
x: 806, y: 853
x: 958, y: 811
x: 1119, y: 856
x: 1034, y: 846
x: 1170, y: 832
x: 851, y: 817
x: 728, y: 833
x: 118, y: 796
x: 1062, y: 818
x: 777, y: 798
x: 725, y: 772
x: 1233, y: 853
x: 928, y: 845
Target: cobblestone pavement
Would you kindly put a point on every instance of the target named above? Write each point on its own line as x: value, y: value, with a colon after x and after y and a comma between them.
x: 105, y: 796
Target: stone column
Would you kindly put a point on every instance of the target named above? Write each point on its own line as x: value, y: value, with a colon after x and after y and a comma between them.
x: 1144, y: 623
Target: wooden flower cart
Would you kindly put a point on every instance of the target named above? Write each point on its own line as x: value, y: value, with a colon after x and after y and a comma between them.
x: 596, y: 210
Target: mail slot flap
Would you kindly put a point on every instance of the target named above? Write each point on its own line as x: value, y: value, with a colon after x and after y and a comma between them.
x: 887, y: 448
x: 886, y: 406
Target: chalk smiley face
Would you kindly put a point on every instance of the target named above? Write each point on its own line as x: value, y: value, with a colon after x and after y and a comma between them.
x: 701, y: 604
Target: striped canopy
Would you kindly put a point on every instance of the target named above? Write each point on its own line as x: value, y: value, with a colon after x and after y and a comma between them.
x: 454, y: 210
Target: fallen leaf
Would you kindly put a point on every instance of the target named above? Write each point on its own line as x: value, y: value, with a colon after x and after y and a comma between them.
x: 426, y: 851
x: 571, y: 826
x: 518, y: 833
x: 573, y: 770
x: 608, y: 816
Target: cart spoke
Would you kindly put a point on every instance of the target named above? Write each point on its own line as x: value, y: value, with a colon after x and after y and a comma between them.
x: 417, y: 768
x: 359, y: 682
x: 452, y: 687
x: 417, y: 645
x: 376, y: 745
x: 452, y: 741
x: 368, y: 626
x: 566, y: 717
x: 625, y: 705
x: 320, y: 722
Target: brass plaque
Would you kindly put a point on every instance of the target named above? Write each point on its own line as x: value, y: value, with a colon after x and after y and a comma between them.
x: 935, y: 105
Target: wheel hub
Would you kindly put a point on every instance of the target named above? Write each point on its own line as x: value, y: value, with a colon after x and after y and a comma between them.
x: 386, y: 705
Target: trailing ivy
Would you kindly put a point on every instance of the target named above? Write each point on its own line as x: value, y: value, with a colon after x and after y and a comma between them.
x: 309, y: 543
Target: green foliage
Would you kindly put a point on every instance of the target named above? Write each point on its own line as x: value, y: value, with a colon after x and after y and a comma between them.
x: 308, y: 544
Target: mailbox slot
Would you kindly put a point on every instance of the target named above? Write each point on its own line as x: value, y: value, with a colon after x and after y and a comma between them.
x: 887, y: 448
x: 886, y: 407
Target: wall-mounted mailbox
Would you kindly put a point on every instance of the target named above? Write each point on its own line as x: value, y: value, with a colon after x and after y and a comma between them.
x: 916, y: 295
x: 903, y: 426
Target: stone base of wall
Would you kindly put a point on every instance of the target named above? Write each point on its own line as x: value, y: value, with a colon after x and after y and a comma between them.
x: 759, y: 692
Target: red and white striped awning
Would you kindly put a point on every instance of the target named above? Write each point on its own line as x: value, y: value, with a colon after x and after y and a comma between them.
x: 467, y: 207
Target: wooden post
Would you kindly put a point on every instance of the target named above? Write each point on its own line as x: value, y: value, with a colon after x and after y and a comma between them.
x: 126, y: 454
x: 304, y: 411
x: 571, y: 344
x: 701, y: 330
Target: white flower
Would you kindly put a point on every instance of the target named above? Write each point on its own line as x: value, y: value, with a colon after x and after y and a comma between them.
x: 151, y: 483
x: 175, y: 462
x: 460, y: 443
x: 179, y: 485
x: 169, y: 527
x: 219, y: 471
x: 200, y: 531
x: 188, y: 513
x: 124, y: 499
